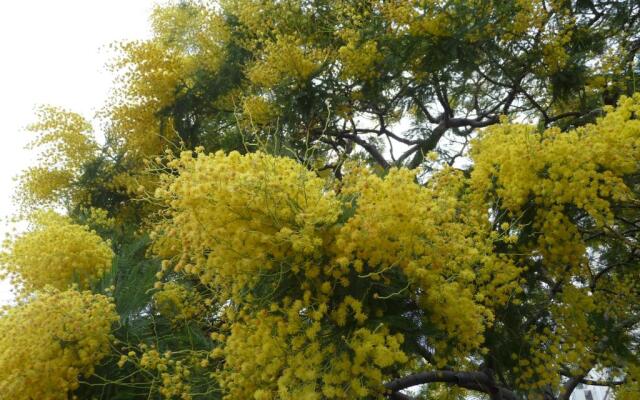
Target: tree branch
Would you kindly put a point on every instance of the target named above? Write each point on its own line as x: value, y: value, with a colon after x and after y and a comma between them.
x: 431, y: 142
x: 353, y: 137
x: 595, y: 382
x: 477, y: 381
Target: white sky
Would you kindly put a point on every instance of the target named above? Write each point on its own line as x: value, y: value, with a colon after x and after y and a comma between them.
x: 54, y: 52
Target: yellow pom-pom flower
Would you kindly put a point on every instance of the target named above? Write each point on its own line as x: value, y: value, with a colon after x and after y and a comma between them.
x: 47, y: 343
x: 58, y: 253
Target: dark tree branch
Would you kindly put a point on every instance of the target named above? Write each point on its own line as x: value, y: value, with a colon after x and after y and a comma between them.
x: 400, y: 139
x: 444, y: 101
x: 477, y: 381
x: 555, y: 288
x: 425, y: 353
x: 369, y: 147
x: 562, y: 116
x: 425, y: 111
x: 431, y: 142
x: 595, y: 382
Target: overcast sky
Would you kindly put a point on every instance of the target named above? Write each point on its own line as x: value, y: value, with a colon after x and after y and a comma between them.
x: 54, y: 52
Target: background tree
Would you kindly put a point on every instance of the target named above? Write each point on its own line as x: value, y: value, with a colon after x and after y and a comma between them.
x: 321, y: 80
x: 378, y: 241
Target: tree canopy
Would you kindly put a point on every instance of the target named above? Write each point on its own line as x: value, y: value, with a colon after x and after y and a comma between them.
x: 339, y: 200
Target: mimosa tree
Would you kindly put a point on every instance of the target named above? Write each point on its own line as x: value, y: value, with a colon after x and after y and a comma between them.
x: 340, y: 200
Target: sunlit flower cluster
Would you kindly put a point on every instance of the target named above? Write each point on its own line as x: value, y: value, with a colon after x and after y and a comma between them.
x: 51, y: 342
x: 178, y: 303
x: 564, y: 182
x: 288, y: 355
x: 304, y: 264
x: 445, y: 252
x: 56, y: 252
x: 64, y: 142
x: 171, y: 371
x: 234, y: 218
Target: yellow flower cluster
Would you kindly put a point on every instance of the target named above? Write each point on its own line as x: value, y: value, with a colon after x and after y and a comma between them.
x: 522, y: 166
x: 297, y: 265
x: 178, y: 303
x: 42, y: 185
x: 358, y: 58
x: 99, y: 218
x: 170, y: 373
x: 258, y: 15
x: 277, y: 356
x: 64, y: 138
x: 569, y: 346
x: 442, y: 248
x: 193, y: 31
x: 64, y: 142
x: 631, y: 389
x: 154, y: 73
x: 56, y: 252
x: 258, y: 110
x: 234, y: 218
x: 149, y: 84
x: 420, y: 18
x: 51, y: 342
x: 550, y: 175
x: 285, y: 58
